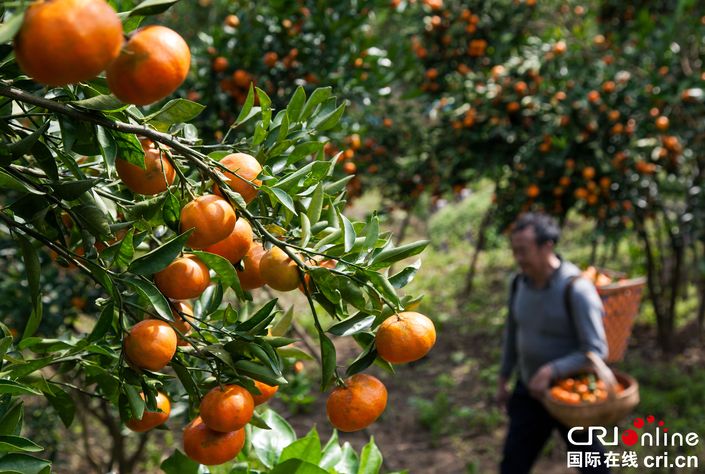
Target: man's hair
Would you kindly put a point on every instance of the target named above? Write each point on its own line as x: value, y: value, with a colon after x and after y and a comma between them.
x: 545, y: 227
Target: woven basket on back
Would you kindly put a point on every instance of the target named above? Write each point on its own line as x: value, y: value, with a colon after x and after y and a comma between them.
x: 605, y: 413
x: 621, y: 301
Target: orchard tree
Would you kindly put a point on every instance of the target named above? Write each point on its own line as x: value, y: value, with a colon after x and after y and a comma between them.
x: 100, y: 176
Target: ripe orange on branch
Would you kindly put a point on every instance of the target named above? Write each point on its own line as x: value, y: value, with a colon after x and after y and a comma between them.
x: 266, y: 392
x: 151, y: 419
x: 243, y: 177
x: 153, y: 64
x: 358, y: 404
x: 210, y: 447
x: 405, y: 337
x: 186, y: 277
x: 251, y: 278
x: 235, y: 246
x: 158, y: 173
x: 227, y: 409
x: 212, y: 218
x: 150, y: 344
x: 278, y: 270
x: 67, y: 41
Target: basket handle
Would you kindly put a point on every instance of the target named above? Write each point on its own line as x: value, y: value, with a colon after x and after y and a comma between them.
x: 604, y: 373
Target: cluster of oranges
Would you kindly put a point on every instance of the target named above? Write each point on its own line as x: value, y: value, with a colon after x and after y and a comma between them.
x: 64, y: 42
x: 597, y: 277
x: 404, y: 337
x: 583, y: 389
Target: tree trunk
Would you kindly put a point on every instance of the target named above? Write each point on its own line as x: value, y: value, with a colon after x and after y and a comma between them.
x: 479, y: 247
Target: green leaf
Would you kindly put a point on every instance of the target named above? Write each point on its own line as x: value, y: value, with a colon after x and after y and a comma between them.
x: 62, y: 402
x: 264, y: 314
x: 24, y: 464
x: 349, y: 462
x: 297, y: 466
x: 105, y: 322
x: 370, y: 458
x: 16, y: 388
x: 303, y: 150
x: 79, y: 136
x: 371, y: 233
x: 316, y: 206
x: 152, y: 7
x: 352, y: 325
x: 245, y: 113
x: 185, y: 377
x: 393, y: 254
x: 220, y: 265
x: 404, y: 277
x: 152, y: 294
x: 45, y: 160
x: 265, y: 104
x: 10, y: 182
x: 179, y: 463
x: 11, y: 421
x: 328, y: 121
x: 296, y: 104
x: 348, y: 233
x: 328, y: 361
x: 103, y: 102
x: 293, y: 353
x: 160, y: 257
x: 306, y: 449
x: 9, y: 29
x: 171, y: 211
x: 23, y: 146
x: 93, y: 219
x: 281, y: 327
x: 332, y: 453
x: 33, y: 270
x: 129, y: 148
x: 259, y: 372
x: 126, y: 250
x: 269, y: 444
x: 363, y: 361
x: 175, y: 111
x: 318, y: 96
x: 305, y: 230
x: 137, y: 404
x: 281, y: 196
x: 15, y: 444
x: 382, y: 285
x: 283, y: 129
x: 70, y: 190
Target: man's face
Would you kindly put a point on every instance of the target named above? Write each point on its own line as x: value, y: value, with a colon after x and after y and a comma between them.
x: 529, y: 256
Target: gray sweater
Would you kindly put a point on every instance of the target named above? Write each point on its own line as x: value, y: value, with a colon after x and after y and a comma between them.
x: 539, y: 329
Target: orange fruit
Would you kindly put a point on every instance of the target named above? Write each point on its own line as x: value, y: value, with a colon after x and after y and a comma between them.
x: 186, y: 277
x: 270, y: 59
x: 358, y: 404
x: 278, y: 270
x: 220, y: 64
x: 662, y: 123
x: 227, y: 409
x: 211, y: 216
x: 158, y: 173
x: 150, y: 344
x: 232, y: 20
x: 152, y: 65
x: 151, y: 419
x: 266, y: 392
x: 405, y: 337
x: 250, y: 277
x: 588, y: 172
x: 247, y: 169
x: 242, y: 79
x: 235, y: 246
x: 209, y: 447
x: 67, y: 41
x: 183, y: 313
x: 533, y: 191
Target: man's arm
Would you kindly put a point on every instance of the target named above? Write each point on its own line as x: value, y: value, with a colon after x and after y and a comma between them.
x: 587, y: 318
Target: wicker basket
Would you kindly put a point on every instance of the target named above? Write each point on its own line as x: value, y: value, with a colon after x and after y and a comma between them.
x: 605, y: 413
x: 621, y: 301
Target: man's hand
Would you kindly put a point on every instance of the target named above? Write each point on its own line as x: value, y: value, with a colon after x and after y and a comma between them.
x: 541, y: 380
x: 502, y: 396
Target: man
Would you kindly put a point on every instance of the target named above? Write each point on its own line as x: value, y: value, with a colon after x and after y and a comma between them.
x: 544, y: 340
